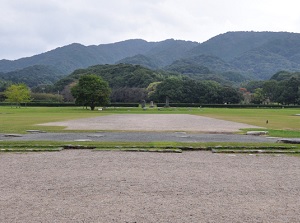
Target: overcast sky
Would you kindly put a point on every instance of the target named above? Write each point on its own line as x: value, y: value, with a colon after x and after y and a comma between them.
x: 29, y: 27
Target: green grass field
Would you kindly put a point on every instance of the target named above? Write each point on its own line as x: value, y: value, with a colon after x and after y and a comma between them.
x: 281, y: 122
x: 18, y: 120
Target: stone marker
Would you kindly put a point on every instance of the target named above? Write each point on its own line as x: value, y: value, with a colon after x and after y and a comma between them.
x: 151, y: 104
x: 78, y: 147
x: 82, y: 140
x: 184, y: 136
x: 289, y: 141
x: 95, y: 136
x: 35, y: 131
x: 143, y: 103
x: 257, y: 133
x: 167, y: 102
x: 13, y: 135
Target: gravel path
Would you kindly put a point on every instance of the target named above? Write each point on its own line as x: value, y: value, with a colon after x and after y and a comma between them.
x: 153, y: 122
x: 138, y: 137
x: 85, y: 186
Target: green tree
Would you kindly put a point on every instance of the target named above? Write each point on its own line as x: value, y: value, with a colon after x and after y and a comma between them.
x: 252, y: 85
x: 91, y: 91
x: 152, y: 88
x: 258, y: 96
x: 212, y: 94
x: 46, y: 97
x: 271, y: 90
x: 230, y: 95
x: 172, y: 88
x: 17, y: 93
x: 185, y: 90
x: 289, y: 94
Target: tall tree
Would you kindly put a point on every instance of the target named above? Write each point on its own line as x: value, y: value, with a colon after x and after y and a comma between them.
x: 230, y: 95
x: 91, y: 91
x: 271, y: 90
x: 290, y: 92
x: 172, y: 88
x: 258, y: 96
x: 17, y: 93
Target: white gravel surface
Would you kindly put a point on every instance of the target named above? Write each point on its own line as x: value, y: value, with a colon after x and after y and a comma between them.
x: 85, y: 186
x: 139, y: 137
x: 153, y: 122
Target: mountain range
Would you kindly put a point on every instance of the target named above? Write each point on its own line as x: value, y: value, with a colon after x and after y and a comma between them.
x: 257, y: 55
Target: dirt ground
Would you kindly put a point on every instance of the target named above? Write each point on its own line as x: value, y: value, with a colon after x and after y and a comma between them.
x: 153, y: 122
x: 86, y: 186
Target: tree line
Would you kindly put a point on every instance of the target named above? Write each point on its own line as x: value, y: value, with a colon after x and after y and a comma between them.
x: 282, y: 88
x: 186, y: 90
x: 133, y: 83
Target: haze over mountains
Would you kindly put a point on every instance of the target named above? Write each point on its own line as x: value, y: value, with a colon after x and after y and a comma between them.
x: 258, y: 55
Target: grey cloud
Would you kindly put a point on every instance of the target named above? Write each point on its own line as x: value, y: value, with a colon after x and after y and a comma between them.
x: 34, y: 26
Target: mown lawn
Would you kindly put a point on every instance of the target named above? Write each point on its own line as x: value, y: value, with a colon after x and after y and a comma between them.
x: 18, y: 120
x: 281, y: 122
x: 224, y: 147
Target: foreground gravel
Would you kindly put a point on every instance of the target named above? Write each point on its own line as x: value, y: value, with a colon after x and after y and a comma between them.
x: 86, y: 186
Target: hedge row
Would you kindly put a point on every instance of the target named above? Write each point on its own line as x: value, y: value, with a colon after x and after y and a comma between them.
x: 66, y: 104
x: 187, y: 105
x: 39, y: 104
x: 123, y: 105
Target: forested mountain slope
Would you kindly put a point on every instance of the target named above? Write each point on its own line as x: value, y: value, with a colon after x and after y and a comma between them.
x: 33, y: 76
x: 259, y: 54
x: 118, y: 76
x: 253, y: 54
x: 68, y: 58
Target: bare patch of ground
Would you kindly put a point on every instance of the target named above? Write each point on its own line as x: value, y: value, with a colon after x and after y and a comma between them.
x: 85, y: 186
x: 153, y: 122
